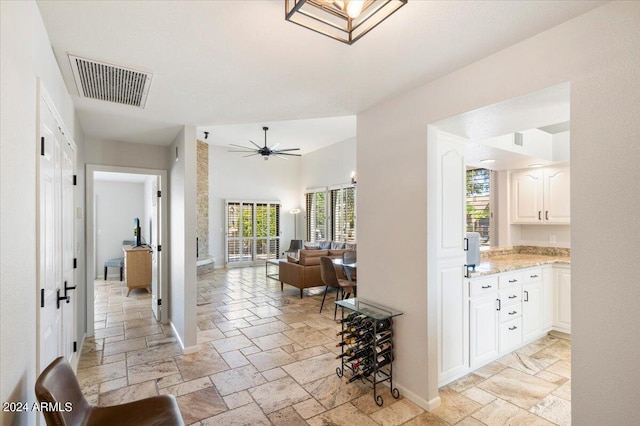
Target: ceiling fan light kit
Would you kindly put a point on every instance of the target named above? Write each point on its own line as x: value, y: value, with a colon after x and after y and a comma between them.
x: 343, y: 20
x: 265, y: 151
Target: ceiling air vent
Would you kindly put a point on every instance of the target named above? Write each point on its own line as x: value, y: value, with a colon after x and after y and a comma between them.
x: 106, y: 82
x: 517, y: 139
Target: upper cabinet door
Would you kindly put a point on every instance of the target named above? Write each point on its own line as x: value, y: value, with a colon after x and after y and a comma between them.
x: 527, y: 196
x: 556, y: 195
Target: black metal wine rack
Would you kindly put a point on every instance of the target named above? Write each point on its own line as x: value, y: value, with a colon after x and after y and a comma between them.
x: 370, y: 356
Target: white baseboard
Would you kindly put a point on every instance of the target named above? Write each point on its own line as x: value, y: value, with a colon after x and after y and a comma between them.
x: 428, y: 405
x: 75, y: 359
x: 187, y: 350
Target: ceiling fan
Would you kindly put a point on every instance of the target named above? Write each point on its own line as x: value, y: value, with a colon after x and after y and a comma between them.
x: 265, y: 150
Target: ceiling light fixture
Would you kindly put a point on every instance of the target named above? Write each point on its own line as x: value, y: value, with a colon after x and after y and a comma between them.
x: 344, y: 20
x: 536, y: 165
x: 488, y: 160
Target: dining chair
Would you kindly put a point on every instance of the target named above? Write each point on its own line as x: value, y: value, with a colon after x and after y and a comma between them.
x: 58, y: 387
x: 349, y: 257
x: 330, y: 279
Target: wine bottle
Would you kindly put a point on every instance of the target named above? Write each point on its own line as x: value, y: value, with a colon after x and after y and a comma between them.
x: 356, y: 328
x: 352, y: 317
x: 366, y: 371
x: 383, y: 325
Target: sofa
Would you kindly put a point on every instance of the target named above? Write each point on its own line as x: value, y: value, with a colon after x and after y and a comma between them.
x: 304, y: 272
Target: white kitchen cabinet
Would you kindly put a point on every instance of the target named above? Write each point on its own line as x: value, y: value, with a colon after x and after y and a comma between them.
x: 453, y: 329
x: 540, y: 196
x: 510, y: 336
x: 562, y: 298
x: 532, y: 311
x: 547, y: 304
x: 483, y: 319
x: 527, y: 196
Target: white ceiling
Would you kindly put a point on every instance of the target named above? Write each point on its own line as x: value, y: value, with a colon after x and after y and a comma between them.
x: 547, y: 109
x: 219, y: 63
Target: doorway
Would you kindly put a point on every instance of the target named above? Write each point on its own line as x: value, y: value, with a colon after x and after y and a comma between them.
x: 545, y: 111
x: 126, y: 218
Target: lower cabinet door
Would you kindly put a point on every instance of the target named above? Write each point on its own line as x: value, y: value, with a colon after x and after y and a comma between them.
x: 562, y: 299
x: 483, y: 329
x: 510, y: 335
x: 532, y: 311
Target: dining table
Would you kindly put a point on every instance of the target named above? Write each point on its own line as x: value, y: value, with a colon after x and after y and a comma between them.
x: 347, y: 268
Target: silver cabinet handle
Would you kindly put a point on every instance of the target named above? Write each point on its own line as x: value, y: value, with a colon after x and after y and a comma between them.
x: 533, y: 276
x: 539, y: 214
x: 546, y: 215
x: 499, y: 305
x: 512, y: 296
x: 513, y: 281
x: 486, y: 286
x: 512, y: 328
x: 513, y: 313
x: 526, y: 296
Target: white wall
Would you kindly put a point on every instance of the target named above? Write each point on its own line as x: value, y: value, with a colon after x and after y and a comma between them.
x: 542, y: 235
x: 124, y: 154
x: 182, y: 236
x: 328, y: 166
x: 233, y: 177
x: 597, y: 53
x: 117, y: 204
x: 25, y: 55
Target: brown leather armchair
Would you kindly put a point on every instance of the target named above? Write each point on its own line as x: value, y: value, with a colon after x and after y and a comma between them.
x: 58, y: 386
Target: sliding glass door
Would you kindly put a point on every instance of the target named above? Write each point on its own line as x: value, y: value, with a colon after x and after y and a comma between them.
x: 253, y: 232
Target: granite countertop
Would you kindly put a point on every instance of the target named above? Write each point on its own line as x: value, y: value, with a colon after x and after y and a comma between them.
x: 501, y: 260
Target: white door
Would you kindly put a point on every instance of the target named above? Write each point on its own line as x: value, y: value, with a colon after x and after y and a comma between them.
x: 532, y: 311
x: 156, y: 256
x: 453, y: 329
x: 527, y: 196
x: 484, y: 329
x: 68, y: 251
x: 556, y: 195
x: 49, y: 271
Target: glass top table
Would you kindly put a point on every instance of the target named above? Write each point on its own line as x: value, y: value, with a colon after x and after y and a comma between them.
x: 370, y: 309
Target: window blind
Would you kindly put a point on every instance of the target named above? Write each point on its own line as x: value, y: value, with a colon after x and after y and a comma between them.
x: 479, y: 203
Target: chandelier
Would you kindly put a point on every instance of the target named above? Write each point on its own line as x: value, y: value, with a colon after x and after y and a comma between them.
x: 344, y: 20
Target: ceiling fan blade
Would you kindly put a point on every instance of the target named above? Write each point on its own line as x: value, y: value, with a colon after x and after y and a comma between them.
x: 250, y: 155
x: 240, y: 146
x: 280, y: 156
x: 241, y: 150
x: 257, y: 146
x: 272, y: 147
x: 286, y: 153
x: 288, y: 149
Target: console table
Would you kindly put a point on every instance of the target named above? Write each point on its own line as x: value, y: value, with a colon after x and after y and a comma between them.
x: 137, y: 267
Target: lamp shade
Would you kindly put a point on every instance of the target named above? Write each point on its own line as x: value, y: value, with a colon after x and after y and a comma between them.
x: 295, y: 245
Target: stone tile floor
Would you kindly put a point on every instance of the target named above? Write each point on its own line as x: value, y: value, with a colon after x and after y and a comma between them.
x: 267, y: 357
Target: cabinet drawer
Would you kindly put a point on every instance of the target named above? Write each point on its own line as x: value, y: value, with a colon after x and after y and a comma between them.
x: 508, y: 313
x: 532, y: 276
x: 482, y: 286
x: 510, y: 279
x: 510, y: 296
x: 510, y: 335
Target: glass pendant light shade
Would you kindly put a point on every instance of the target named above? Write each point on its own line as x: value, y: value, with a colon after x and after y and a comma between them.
x: 343, y: 20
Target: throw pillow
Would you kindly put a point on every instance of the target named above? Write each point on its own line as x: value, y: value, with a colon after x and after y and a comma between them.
x: 292, y: 259
x: 324, y: 245
x: 311, y: 246
x: 335, y: 245
x: 350, y: 246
